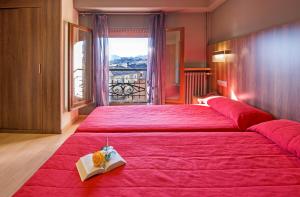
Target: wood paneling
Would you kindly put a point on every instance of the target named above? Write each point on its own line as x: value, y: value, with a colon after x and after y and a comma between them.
x: 20, y: 84
x: 263, y: 70
x: 51, y: 67
x: 20, y: 3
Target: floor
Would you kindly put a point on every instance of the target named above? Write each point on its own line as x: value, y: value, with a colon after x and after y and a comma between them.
x: 22, y: 154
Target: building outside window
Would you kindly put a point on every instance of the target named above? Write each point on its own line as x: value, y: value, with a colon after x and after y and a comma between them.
x: 128, y: 70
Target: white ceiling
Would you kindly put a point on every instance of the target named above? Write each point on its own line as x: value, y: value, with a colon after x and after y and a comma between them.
x: 148, y: 5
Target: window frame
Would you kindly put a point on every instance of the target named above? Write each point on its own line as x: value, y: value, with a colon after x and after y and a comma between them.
x: 71, y: 105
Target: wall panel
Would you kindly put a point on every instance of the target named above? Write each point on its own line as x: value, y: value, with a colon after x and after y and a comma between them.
x: 263, y: 70
x: 239, y: 17
x: 51, y: 66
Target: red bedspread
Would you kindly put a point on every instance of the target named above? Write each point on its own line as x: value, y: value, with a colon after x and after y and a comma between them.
x: 156, y: 118
x: 173, y: 164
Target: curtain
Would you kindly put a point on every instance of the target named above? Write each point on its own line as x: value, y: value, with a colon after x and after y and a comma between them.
x: 156, y: 62
x: 101, y: 60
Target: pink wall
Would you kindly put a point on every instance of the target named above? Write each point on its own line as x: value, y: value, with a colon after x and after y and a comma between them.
x: 195, y: 35
x: 239, y: 17
x: 69, y: 14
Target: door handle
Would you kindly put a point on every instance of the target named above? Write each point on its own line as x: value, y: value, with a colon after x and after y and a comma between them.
x: 40, y: 68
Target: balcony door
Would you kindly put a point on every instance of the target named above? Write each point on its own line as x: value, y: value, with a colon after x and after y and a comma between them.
x: 128, y: 58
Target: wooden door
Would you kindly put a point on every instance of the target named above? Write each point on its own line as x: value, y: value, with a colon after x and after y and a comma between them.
x: 20, y: 78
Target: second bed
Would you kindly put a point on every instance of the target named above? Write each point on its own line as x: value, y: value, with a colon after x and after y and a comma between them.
x: 222, y: 114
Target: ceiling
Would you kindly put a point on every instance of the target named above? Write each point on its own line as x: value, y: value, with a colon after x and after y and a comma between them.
x: 148, y: 5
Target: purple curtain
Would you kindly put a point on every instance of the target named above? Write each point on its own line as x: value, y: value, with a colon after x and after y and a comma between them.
x: 156, y: 60
x: 101, y: 62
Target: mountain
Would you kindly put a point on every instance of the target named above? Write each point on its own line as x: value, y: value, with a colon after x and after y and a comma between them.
x: 114, y: 57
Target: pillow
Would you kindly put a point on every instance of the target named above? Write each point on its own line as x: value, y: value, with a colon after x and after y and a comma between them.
x: 285, y: 133
x: 242, y: 114
x: 204, y: 100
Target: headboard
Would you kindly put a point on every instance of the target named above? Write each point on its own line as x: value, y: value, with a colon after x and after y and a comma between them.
x: 261, y: 69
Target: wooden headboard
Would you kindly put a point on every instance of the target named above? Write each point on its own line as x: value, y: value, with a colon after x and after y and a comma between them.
x: 261, y: 69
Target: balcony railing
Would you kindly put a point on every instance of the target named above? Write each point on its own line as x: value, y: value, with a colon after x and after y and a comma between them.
x: 127, y: 86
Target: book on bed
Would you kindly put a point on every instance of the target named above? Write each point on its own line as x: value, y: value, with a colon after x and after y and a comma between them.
x: 86, y: 166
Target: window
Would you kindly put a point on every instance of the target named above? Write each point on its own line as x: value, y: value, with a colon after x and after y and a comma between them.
x: 80, y: 66
x: 127, y: 70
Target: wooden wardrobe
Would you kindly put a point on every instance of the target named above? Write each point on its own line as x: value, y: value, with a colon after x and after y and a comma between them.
x: 30, y: 66
x: 20, y: 72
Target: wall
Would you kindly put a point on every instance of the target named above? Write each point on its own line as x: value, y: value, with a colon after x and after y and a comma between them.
x: 128, y: 21
x: 69, y: 14
x: 263, y: 70
x: 239, y: 17
x: 195, y: 36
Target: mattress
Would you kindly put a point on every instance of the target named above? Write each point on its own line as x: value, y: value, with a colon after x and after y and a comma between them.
x: 156, y: 118
x: 178, y: 164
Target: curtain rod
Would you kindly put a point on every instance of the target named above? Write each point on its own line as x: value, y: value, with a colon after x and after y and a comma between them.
x: 119, y: 13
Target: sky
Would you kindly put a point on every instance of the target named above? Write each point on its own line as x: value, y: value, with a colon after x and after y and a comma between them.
x: 128, y: 47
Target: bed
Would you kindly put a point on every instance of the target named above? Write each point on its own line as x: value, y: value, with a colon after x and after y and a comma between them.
x: 158, y: 118
x: 174, y: 118
x: 179, y: 164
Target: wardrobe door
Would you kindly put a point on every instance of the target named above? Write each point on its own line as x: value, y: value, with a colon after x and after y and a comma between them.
x: 20, y: 69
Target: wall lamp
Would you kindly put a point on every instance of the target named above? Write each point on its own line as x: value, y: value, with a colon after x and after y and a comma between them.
x: 220, y: 56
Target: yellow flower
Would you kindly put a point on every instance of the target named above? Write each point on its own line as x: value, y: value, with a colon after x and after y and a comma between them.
x: 98, y: 158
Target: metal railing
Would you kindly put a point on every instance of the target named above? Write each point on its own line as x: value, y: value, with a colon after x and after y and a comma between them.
x: 127, y: 86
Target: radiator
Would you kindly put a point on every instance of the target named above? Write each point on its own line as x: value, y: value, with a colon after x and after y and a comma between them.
x: 195, y: 85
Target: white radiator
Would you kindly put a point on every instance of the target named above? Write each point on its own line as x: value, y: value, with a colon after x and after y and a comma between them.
x: 195, y: 85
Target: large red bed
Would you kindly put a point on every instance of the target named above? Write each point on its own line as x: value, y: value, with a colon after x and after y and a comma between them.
x: 222, y: 114
x: 173, y: 164
x: 156, y: 118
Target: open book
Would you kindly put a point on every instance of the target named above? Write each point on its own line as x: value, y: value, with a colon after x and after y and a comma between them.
x: 86, y: 168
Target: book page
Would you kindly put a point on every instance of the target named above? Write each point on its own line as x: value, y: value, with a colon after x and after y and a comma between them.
x: 86, y: 167
x: 81, y: 170
x: 115, y: 161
